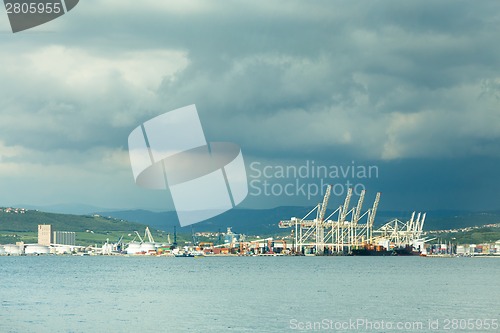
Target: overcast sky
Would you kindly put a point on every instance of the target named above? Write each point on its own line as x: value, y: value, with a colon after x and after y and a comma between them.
x: 411, y: 87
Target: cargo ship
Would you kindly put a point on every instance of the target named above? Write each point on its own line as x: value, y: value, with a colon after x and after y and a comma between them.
x: 379, y: 250
x: 408, y: 250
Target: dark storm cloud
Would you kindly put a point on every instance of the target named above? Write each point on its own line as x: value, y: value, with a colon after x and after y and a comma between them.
x: 347, y: 63
x: 385, y: 81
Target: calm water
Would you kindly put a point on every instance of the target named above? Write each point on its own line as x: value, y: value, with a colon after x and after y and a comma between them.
x: 244, y: 294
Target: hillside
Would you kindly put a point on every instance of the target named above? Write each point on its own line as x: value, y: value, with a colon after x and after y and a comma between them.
x: 489, y: 233
x: 22, y: 225
x: 28, y: 220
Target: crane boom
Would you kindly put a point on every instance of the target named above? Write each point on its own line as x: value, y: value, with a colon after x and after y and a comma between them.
x: 149, y: 235
x: 412, y: 222
x: 421, y: 227
x: 417, y: 223
x: 325, y: 203
x: 359, y: 207
x: 140, y: 238
x: 374, y: 209
x: 346, y: 205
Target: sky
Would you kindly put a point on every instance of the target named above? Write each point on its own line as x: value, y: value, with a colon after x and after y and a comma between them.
x: 408, y: 88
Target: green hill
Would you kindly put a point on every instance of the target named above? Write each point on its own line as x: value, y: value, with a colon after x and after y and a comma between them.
x: 30, y: 219
x: 22, y: 225
x: 471, y: 235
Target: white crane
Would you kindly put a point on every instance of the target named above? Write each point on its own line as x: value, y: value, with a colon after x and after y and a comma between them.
x: 149, y: 235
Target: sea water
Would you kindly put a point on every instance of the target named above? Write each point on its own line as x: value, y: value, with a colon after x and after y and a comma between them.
x: 249, y: 294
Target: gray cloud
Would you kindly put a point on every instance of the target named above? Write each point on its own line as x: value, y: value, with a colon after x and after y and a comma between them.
x: 382, y: 81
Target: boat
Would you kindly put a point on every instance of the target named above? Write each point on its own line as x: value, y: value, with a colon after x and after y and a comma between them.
x: 371, y: 252
x: 185, y: 254
x: 407, y: 250
x: 379, y: 250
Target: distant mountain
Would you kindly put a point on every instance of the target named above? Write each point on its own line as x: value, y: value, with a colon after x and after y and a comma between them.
x: 265, y: 221
x: 248, y: 221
